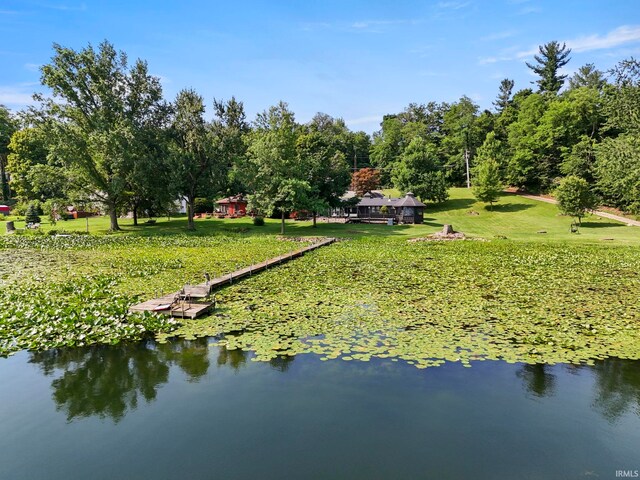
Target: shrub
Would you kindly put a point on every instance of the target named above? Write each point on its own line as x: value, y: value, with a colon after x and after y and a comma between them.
x: 258, y: 221
x: 202, y: 205
x: 2, y: 217
x: 32, y: 214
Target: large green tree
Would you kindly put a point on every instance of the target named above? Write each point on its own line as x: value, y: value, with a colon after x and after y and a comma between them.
x: 276, y: 177
x: 420, y: 171
x: 35, y: 175
x: 552, y: 57
x: 321, y: 146
x: 197, y: 170
x: 102, y: 104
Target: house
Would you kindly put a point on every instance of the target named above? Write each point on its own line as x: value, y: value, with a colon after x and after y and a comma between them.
x: 5, y: 209
x: 374, y: 207
x: 235, y: 206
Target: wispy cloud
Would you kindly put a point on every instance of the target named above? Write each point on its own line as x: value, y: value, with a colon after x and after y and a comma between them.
x: 359, y: 26
x: 64, y: 7
x: 32, y: 67
x: 617, y: 37
x: 15, y: 96
x: 453, y: 5
x: 499, y: 35
x: 529, y: 10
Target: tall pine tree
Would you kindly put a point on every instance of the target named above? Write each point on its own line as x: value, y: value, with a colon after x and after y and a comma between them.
x: 551, y: 59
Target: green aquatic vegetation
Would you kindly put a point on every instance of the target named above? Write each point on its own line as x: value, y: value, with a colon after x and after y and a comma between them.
x: 429, y: 303
x: 81, y: 311
x: 71, y: 291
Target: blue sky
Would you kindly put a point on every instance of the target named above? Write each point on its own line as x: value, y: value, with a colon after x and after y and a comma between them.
x: 352, y: 59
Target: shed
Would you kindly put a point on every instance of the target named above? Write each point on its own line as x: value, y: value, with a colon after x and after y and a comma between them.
x: 234, y: 206
x: 5, y: 209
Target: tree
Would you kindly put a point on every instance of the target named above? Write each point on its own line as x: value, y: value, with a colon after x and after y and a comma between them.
x: 617, y: 171
x: 7, y: 128
x: 35, y: 175
x: 487, y: 186
x: 329, y: 173
x: 574, y: 197
x: 31, y: 216
x: 230, y: 129
x: 588, y: 76
x: 504, y: 97
x: 273, y: 170
x: 521, y: 170
x: 551, y: 59
x: 419, y: 171
x: 103, y: 101
x: 192, y: 148
x: 365, y: 180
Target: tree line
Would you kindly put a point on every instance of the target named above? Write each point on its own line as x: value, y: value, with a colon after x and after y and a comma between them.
x: 107, y: 136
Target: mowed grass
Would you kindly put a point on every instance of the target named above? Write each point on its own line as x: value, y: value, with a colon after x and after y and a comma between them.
x: 512, y: 217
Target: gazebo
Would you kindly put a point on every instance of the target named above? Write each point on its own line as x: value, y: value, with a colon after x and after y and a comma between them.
x: 409, y: 209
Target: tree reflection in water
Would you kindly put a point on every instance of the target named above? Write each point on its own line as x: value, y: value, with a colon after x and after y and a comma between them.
x: 617, y: 388
x: 537, y: 379
x: 236, y: 358
x: 106, y: 381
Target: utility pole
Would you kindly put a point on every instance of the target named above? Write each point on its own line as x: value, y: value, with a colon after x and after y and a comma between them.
x: 466, y: 159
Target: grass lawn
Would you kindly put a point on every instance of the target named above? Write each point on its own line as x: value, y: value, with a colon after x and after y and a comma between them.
x: 513, y: 217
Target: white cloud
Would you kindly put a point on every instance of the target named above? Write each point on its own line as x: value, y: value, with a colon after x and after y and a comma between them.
x: 32, y: 67
x: 620, y: 36
x: 529, y: 10
x: 15, y: 96
x: 453, y: 5
x: 499, y: 35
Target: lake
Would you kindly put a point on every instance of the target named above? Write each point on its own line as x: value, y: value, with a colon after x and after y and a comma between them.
x: 186, y: 409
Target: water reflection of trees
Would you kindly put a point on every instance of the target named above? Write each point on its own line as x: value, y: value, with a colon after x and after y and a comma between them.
x: 537, y: 379
x: 617, y: 388
x: 106, y: 381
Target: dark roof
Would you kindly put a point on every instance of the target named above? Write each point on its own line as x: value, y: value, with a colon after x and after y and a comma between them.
x: 234, y: 199
x: 370, y: 201
x: 409, y: 200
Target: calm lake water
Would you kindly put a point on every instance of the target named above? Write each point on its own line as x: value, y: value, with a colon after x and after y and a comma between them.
x: 189, y: 410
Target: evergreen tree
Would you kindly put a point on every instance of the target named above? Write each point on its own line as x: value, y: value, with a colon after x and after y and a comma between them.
x: 504, y: 97
x: 31, y: 216
x: 588, y: 76
x: 551, y: 59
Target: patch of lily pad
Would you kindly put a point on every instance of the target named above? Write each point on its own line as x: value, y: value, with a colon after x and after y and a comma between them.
x: 429, y: 303
x: 76, y: 290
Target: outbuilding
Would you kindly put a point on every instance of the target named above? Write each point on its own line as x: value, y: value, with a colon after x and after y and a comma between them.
x: 235, y: 206
x: 5, y: 209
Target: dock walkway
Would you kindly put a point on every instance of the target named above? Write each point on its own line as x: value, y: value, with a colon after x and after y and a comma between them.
x: 192, y: 301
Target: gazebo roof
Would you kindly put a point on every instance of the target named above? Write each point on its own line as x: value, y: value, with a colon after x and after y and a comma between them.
x: 409, y: 200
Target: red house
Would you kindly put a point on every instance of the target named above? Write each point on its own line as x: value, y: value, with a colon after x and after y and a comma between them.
x: 5, y: 210
x: 235, y: 206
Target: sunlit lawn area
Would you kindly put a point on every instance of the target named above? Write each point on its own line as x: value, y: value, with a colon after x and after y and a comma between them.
x: 513, y: 217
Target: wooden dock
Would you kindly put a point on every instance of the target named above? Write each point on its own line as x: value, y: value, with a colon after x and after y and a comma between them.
x: 194, y: 300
